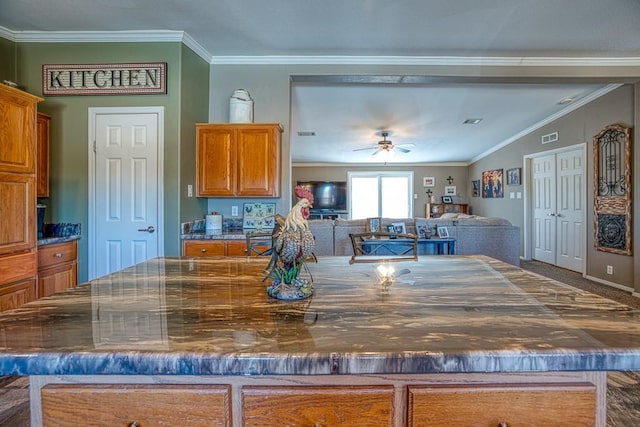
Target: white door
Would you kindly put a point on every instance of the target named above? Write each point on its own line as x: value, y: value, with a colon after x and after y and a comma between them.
x: 570, y: 215
x: 125, y: 188
x: 558, y: 209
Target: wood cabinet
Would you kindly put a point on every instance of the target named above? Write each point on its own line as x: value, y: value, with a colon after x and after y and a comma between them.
x: 133, y: 404
x: 369, y: 406
x: 17, y: 196
x: 398, y: 400
x: 497, y: 405
x: 207, y: 248
x: 238, y: 160
x: 42, y: 154
x: 57, y: 268
x: 435, y: 210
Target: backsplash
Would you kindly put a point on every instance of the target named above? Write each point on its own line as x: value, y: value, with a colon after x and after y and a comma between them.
x: 198, y: 225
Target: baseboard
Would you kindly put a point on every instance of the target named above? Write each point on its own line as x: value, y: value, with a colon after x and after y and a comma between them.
x: 612, y: 284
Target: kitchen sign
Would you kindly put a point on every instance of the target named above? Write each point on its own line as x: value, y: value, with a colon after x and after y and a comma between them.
x: 105, y: 79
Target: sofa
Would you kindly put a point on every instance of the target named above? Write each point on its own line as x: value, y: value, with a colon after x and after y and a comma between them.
x: 494, y: 237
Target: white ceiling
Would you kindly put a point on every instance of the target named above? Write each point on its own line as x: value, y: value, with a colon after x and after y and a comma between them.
x: 347, y: 116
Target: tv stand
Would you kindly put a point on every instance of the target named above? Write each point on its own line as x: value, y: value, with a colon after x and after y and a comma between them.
x: 329, y: 215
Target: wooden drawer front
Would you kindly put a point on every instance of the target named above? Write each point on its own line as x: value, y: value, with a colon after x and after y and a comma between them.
x: 17, y: 294
x: 145, y: 405
x: 57, y: 279
x: 18, y: 266
x: 56, y: 254
x: 514, y: 405
x: 236, y: 248
x: 203, y: 249
x: 318, y: 406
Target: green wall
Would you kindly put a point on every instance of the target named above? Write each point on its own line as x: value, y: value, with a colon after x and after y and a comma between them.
x: 69, y: 125
x: 8, y: 62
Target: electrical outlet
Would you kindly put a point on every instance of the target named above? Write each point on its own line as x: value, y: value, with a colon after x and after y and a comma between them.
x: 234, y: 211
x: 609, y: 269
x: 189, y: 190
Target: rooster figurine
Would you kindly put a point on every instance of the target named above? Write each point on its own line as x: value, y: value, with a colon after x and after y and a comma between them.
x: 293, y: 244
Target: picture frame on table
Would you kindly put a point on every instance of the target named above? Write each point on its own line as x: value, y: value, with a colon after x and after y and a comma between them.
x: 399, y: 227
x: 513, y: 176
x: 447, y: 199
x: 422, y: 229
x: 443, y: 232
x: 429, y: 181
x: 372, y: 225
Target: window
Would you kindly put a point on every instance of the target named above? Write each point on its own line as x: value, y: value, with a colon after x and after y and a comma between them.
x: 384, y: 194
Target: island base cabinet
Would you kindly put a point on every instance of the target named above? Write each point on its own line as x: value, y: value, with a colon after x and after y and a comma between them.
x: 500, y: 405
x: 17, y: 294
x: 318, y: 406
x: 136, y: 405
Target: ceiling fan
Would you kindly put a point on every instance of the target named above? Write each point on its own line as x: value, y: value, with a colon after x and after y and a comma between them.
x: 386, y: 146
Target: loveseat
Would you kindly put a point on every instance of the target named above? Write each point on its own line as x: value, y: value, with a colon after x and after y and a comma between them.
x: 494, y: 237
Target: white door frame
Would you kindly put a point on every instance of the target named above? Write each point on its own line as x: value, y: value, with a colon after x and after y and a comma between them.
x: 528, y: 200
x: 93, y: 112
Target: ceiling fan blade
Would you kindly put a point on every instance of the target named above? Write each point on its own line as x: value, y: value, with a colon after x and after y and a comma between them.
x: 402, y: 150
x: 375, y: 153
x: 405, y: 145
x: 364, y: 149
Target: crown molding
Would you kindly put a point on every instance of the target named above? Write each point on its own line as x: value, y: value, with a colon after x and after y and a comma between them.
x: 146, y: 36
x: 496, y: 61
x: 377, y: 164
x: 180, y: 36
x: 571, y: 107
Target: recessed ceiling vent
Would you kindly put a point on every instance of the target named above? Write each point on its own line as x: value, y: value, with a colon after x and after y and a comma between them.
x: 306, y: 133
x: 550, y: 137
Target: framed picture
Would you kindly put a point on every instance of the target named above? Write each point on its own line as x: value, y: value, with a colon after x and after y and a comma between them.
x: 450, y: 190
x: 372, y: 225
x: 443, y: 232
x: 476, y: 188
x: 429, y: 181
x: 513, y: 176
x: 422, y: 229
x: 447, y: 199
x: 399, y: 227
x: 492, y: 186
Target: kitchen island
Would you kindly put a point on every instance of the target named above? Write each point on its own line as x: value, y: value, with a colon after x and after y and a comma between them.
x: 195, y: 341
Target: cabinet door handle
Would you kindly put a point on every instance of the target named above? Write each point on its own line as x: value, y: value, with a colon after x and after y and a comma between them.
x: 58, y: 255
x: 503, y: 424
x: 133, y: 424
x: 203, y: 250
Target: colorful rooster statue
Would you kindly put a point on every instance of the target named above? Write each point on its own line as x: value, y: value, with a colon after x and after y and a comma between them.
x: 293, y: 244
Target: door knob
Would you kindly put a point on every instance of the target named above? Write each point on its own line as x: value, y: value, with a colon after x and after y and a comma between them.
x: 149, y: 229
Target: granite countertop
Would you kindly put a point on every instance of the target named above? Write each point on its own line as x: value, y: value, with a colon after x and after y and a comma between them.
x: 198, y: 316
x: 223, y: 235
x: 59, y: 233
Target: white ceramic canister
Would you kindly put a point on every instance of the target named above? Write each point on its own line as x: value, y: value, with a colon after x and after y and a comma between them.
x: 240, y: 107
x: 213, y: 223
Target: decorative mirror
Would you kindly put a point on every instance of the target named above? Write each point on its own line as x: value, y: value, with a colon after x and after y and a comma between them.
x: 612, y: 189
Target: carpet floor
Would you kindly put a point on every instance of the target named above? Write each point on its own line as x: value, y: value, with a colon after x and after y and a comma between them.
x: 623, y: 388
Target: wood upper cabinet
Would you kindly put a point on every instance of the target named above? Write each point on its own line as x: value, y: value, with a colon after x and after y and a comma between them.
x: 238, y: 160
x: 18, y: 263
x: 42, y: 170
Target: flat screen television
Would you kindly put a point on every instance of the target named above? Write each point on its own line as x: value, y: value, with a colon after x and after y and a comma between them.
x: 329, y: 196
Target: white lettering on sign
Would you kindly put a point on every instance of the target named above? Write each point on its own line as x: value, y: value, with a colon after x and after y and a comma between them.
x: 105, y: 79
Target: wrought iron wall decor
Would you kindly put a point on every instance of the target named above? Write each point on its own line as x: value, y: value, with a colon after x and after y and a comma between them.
x: 612, y: 189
